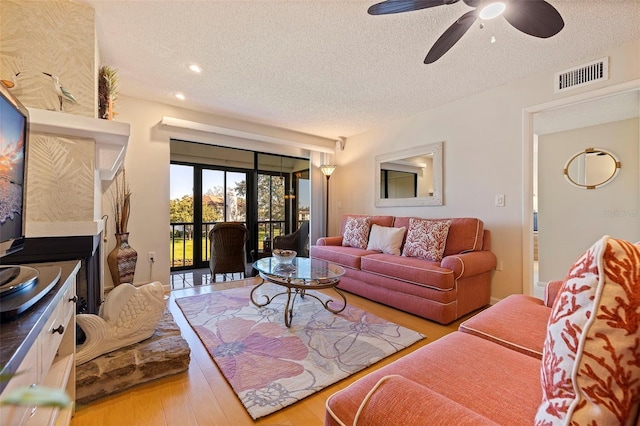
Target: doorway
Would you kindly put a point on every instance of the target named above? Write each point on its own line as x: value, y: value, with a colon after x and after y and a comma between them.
x: 566, y: 224
x: 283, y: 195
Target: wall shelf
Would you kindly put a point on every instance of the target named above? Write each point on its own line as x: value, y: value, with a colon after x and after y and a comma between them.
x: 112, y: 137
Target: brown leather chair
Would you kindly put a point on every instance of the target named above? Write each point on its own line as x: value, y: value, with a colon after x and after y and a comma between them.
x: 228, y: 252
x: 297, y: 240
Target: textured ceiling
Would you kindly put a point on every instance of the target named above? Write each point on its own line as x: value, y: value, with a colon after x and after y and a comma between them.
x: 327, y: 67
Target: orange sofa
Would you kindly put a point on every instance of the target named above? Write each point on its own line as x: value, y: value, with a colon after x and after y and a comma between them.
x: 441, y: 291
x: 571, y: 358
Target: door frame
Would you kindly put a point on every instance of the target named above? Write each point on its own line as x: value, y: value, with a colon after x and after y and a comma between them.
x: 527, y: 167
x: 290, y: 222
x: 197, y: 207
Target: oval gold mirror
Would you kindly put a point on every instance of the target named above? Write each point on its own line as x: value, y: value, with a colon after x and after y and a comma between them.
x: 591, y: 168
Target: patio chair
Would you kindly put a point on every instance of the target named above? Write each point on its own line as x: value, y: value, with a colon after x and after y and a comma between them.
x: 297, y: 240
x: 228, y: 252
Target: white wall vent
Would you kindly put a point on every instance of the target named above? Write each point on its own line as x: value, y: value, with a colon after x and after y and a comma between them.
x: 582, y: 75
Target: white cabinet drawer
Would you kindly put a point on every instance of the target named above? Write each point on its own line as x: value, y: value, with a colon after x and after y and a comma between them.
x: 57, y: 326
x: 27, y: 375
x: 50, y: 358
x: 51, y: 337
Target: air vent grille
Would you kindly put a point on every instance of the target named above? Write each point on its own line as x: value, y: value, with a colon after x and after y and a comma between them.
x: 582, y: 75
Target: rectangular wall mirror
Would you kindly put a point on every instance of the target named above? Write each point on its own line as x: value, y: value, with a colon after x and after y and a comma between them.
x: 411, y: 177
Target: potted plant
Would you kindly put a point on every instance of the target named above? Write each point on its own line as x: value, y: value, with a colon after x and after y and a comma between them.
x: 107, y: 91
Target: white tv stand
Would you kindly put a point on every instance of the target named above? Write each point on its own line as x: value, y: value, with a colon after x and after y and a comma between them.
x: 38, y: 349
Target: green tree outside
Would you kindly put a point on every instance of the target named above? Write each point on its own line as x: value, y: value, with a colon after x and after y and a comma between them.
x: 270, y: 198
x: 271, y: 207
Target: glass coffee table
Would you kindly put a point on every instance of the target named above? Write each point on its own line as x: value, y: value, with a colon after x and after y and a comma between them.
x: 297, y: 277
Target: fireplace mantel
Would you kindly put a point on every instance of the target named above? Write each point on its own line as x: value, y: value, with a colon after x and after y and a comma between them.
x: 111, y: 137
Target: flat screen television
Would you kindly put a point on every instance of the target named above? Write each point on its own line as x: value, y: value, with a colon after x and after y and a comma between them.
x: 14, y: 134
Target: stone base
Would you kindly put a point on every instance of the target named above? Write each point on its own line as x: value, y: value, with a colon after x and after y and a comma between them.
x: 163, y: 354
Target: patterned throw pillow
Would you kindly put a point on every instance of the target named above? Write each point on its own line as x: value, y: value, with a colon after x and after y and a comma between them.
x: 356, y: 232
x: 426, y: 239
x: 591, y: 358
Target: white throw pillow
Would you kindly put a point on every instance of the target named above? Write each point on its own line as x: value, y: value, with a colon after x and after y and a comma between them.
x: 386, y: 239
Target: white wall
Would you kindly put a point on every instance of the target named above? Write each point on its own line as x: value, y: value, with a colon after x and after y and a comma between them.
x: 147, y: 165
x: 483, y: 156
x: 586, y: 215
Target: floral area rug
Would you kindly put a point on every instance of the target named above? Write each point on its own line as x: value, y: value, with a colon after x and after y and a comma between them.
x: 270, y: 366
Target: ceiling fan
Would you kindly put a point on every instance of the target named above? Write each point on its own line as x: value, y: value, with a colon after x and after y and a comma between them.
x: 534, y: 17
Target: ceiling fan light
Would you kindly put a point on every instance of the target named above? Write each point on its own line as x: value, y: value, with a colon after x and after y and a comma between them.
x: 492, y: 10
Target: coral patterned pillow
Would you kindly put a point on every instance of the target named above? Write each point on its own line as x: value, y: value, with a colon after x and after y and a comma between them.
x: 591, y: 358
x: 356, y: 232
x: 426, y: 239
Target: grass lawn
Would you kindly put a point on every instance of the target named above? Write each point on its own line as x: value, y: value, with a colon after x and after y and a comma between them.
x: 184, y: 250
x: 181, y: 252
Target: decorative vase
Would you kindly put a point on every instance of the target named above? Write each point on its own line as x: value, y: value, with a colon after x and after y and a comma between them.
x: 122, y: 260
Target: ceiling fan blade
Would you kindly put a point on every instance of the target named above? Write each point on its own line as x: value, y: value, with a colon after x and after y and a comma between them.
x: 451, y: 36
x: 399, y: 6
x: 534, y: 17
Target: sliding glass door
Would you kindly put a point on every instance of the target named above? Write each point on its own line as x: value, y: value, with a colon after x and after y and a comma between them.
x: 271, y: 207
x: 210, y: 184
x: 300, y: 197
x: 181, y: 216
x: 283, y: 190
x: 202, y: 196
x: 224, y: 199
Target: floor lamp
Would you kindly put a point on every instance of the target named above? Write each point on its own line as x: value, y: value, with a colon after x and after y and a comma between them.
x: 327, y: 170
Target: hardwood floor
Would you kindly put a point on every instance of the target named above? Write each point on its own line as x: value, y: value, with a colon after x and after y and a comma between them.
x: 201, y: 396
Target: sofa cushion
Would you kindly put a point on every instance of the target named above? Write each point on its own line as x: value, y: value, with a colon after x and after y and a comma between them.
x: 591, y: 356
x: 503, y: 324
x: 396, y: 400
x: 465, y: 234
x: 378, y: 220
x: 349, y: 257
x: 551, y: 291
x: 426, y: 239
x: 386, y: 239
x: 409, y: 269
x: 488, y: 379
x: 356, y: 232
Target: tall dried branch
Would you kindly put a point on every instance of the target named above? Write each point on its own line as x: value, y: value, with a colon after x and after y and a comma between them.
x: 121, y: 203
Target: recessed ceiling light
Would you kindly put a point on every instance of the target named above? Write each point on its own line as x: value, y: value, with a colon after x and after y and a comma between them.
x: 180, y: 96
x: 492, y: 10
x: 195, y: 68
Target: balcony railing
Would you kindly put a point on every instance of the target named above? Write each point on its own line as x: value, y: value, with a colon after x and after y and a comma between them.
x: 181, y: 240
x: 270, y: 228
x: 181, y: 237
